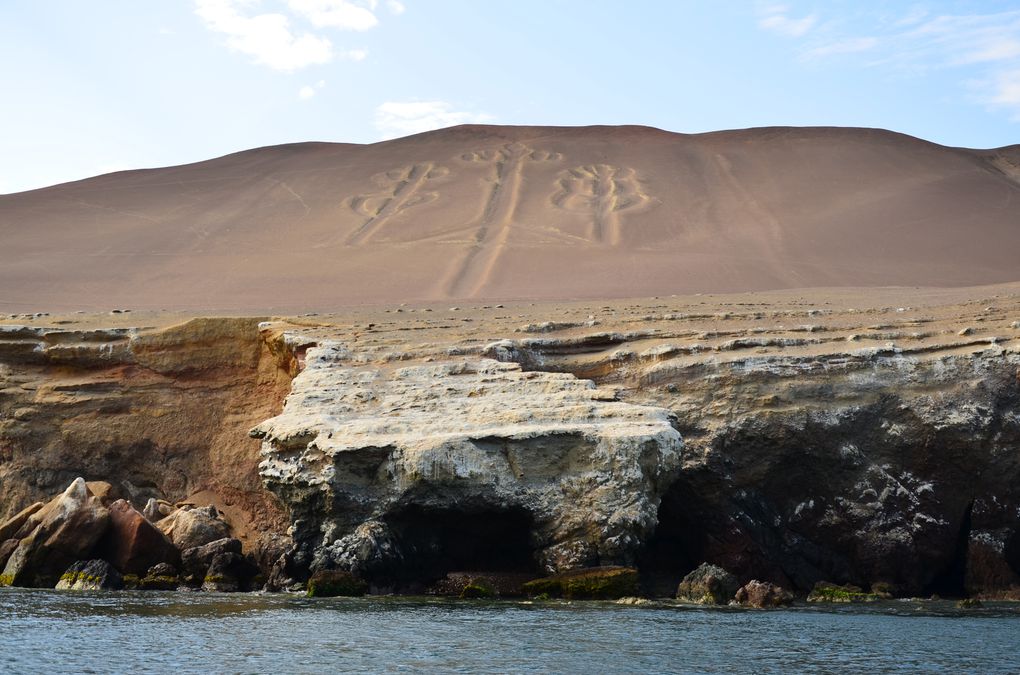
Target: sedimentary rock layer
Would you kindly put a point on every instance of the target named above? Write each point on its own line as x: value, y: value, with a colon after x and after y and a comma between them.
x: 852, y: 438
x: 159, y: 413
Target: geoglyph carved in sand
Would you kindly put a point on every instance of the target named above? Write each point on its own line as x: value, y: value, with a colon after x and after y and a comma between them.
x: 604, y: 191
x: 492, y: 228
x: 402, y: 189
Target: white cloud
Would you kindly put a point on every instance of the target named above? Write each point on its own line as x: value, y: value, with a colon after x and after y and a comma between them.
x: 267, y: 38
x: 1003, y: 91
x: 342, y: 14
x: 1001, y: 49
x: 776, y: 18
x: 402, y: 118
x: 396, y: 7
x: 271, y: 39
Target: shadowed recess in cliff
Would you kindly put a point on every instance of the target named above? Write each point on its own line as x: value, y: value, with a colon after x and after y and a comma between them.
x: 436, y: 541
x: 675, y: 547
x: 951, y: 582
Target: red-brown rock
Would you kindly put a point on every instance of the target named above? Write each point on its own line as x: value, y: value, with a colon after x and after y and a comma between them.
x: 133, y: 544
x: 762, y: 594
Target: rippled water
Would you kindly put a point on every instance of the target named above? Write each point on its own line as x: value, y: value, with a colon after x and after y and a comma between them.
x: 45, y: 631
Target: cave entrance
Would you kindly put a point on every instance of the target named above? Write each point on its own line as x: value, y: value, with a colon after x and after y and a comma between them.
x: 436, y: 541
x: 673, y: 550
x: 952, y: 582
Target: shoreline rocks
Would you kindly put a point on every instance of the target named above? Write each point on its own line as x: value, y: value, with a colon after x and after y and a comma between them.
x: 68, y: 528
x: 132, y: 543
x: 91, y: 575
x: 762, y: 595
x: 591, y: 583
x: 829, y: 592
x: 708, y: 585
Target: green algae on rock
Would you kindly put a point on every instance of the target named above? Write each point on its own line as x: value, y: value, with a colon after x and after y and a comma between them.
x: 829, y: 592
x: 91, y: 575
x: 478, y: 589
x: 335, y: 583
x: 589, y: 583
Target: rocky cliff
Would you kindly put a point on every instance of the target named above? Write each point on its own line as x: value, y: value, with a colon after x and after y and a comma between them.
x: 159, y: 413
x: 846, y: 438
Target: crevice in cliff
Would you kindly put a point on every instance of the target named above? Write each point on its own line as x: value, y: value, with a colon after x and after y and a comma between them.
x: 951, y: 582
x: 437, y: 541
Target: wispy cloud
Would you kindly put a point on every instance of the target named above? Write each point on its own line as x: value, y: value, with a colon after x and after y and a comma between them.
x: 271, y: 38
x: 844, y: 46
x: 401, y: 118
x: 985, y: 48
x: 1003, y: 91
x: 777, y: 18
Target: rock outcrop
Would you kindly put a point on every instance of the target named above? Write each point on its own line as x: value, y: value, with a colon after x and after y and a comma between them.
x: 91, y: 575
x: 594, y: 583
x: 193, y: 527
x: 195, y: 561
x: 708, y: 585
x: 229, y: 572
x: 762, y: 595
x: 161, y: 577
x: 789, y: 441
x: 157, y: 413
x: 475, y: 464
x: 133, y: 544
x: 68, y: 528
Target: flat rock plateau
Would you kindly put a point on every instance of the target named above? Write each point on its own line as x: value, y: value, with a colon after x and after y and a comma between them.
x: 505, y: 353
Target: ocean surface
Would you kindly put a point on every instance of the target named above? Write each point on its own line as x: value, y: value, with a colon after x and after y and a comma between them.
x: 49, y: 631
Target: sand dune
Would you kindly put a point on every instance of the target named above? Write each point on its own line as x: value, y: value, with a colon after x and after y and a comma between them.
x: 487, y: 212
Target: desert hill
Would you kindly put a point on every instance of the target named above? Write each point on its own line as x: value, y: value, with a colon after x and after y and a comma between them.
x: 489, y: 212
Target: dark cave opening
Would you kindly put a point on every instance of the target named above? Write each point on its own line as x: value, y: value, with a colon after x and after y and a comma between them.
x: 952, y: 581
x: 673, y: 550
x: 436, y: 541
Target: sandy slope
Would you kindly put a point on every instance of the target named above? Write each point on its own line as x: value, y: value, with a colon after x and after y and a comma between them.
x: 489, y: 212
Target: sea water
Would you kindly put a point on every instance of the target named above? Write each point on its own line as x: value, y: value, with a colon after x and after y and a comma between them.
x: 50, y: 631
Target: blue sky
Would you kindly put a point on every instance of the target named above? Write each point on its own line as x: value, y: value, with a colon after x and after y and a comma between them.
x: 92, y: 87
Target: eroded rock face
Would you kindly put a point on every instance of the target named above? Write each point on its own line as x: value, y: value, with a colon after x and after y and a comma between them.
x: 157, y: 413
x: 876, y: 447
x: 365, y: 455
